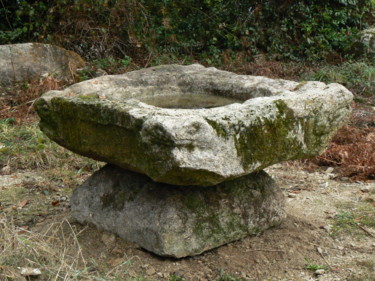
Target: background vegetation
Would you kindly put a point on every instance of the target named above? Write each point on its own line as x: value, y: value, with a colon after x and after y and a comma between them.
x: 212, y: 31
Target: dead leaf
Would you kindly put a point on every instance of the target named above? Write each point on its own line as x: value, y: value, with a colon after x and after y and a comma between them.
x: 117, y: 251
x: 295, y: 191
x: 55, y: 203
x: 115, y: 262
x: 23, y: 203
x: 23, y: 229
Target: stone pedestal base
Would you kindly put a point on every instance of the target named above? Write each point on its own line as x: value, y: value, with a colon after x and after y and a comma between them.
x: 177, y: 221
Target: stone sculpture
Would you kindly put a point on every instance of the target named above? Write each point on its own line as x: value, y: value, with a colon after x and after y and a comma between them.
x: 200, y: 137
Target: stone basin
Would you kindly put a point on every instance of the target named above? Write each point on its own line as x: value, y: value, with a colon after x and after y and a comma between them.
x: 191, y: 125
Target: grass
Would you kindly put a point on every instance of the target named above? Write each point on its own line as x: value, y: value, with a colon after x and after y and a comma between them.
x: 359, y: 77
x: 351, y: 220
x: 26, y: 147
x: 175, y: 277
x: 56, y: 252
x: 228, y: 277
x: 313, y: 267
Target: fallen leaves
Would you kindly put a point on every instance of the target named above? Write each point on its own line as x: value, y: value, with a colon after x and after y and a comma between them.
x: 352, y: 150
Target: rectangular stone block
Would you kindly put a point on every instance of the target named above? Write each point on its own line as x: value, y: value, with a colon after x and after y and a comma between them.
x: 177, y: 221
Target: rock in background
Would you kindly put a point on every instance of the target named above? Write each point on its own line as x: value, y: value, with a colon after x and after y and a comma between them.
x: 177, y: 221
x: 25, y: 62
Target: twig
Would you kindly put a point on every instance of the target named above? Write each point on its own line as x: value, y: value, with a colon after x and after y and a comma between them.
x: 71, y: 70
x: 148, y: 60
x: 12, y: 63
x: 6, y: 16
x: 366, y: 230
x: 264, y: 250
x: 328, y: 160
x: 323, y: 257
x: 31, y: 105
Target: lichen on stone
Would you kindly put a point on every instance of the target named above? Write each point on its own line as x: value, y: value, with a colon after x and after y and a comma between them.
x: 203, y: 146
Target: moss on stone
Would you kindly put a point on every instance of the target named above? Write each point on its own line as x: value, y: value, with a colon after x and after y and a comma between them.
x: 268, y: 140
x: 209, y: 213
x: 300, y: 85
x: 117, y: 198
x: 193, y: 202
x: 89, y: 97
x: 220, y: 130
x: 263, y: 140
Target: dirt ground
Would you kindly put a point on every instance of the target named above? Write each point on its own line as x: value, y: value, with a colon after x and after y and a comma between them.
x: 329, y: 233
x: 282, y: 253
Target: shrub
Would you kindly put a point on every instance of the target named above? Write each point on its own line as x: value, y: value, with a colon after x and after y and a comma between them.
x: 211, y: 30
x: 359, y: 77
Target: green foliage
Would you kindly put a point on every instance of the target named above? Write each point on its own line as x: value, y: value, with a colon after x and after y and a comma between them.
x: 289, y: 29
x: 175, y: 277
x: 24, y: 20
x: 210, y: 30
x: 359, y: 77
x: 228, y: 277
x: 314, y: 267
x: 112, y: 65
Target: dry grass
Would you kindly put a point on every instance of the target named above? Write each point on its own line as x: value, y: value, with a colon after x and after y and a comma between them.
x: 18, y: 101
x: 56, y: 252
x: 45, y: 251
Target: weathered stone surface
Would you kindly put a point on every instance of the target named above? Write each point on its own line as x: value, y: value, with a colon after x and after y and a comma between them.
x: 267, y: 121
x: 177, y: 221
x: 24, y: 62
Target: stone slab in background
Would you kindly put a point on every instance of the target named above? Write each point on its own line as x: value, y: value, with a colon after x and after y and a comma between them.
x: 177, y: 221
x: 28, y: 61
x: 162, y: 122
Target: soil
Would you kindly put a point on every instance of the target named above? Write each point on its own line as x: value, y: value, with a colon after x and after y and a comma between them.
x: 309, y: 234
x: 280, y: 253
